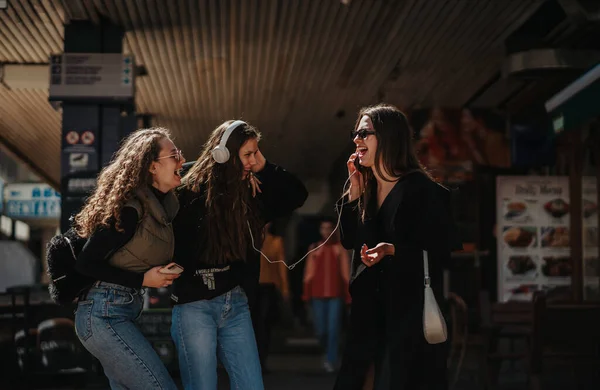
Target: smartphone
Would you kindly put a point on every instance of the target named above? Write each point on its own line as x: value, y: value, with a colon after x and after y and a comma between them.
x: 357, y: 165
x: 171, y: 269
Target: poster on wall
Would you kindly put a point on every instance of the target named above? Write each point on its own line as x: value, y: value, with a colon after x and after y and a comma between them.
x: 533, y: 235
x: 79, y: 149
x: 450, y: 142
x: 591, y: 260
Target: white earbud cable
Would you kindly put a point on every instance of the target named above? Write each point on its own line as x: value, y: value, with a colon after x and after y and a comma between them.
x: 291, y: 267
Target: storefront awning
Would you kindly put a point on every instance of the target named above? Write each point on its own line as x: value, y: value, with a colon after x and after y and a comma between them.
x: 576, y: 104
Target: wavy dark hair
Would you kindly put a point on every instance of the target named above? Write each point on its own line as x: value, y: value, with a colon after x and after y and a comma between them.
x: 395, y: 148
x: 230, y: 206
x: 128, y: 170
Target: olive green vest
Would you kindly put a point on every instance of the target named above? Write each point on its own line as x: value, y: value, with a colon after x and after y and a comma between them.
x: 153, y: 242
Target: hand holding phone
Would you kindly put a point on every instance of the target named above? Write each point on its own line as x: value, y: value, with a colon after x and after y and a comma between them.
x: 355, y: 171
x: 357, y: 165
x: 172, y: 269
x: 158, y: 276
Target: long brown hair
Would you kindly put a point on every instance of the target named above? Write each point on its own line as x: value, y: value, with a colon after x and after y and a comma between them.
x: 117, y: 182
x: 395, y: 148
x: 230, y: 206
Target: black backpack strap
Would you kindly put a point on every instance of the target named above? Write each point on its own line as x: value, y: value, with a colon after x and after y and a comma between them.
x: 71, y: 247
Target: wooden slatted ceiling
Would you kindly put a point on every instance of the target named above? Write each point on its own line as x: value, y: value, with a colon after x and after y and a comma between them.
x: 29, y: 124
x: 287, y: 66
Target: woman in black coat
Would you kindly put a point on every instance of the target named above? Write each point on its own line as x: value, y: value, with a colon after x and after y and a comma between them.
x: 391, y: 213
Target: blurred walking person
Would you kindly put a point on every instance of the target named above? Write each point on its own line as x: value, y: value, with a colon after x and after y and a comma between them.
x: 273, y: 292
x: 326, y: 279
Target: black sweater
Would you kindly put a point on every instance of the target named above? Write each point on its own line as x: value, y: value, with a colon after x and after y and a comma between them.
x: 281, y: 193
x: 94, y: 257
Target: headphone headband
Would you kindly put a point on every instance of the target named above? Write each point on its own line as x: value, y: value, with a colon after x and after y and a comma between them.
x: 220, y: 153
x: 228, y: 132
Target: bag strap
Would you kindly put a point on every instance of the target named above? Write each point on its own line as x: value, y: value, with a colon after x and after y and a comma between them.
x: 71, y: 247
x: 426, y: 269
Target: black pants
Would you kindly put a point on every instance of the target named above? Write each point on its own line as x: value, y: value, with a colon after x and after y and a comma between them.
x: 264, y: 316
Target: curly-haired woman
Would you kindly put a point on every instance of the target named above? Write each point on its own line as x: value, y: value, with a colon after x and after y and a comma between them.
x: 127, y: 221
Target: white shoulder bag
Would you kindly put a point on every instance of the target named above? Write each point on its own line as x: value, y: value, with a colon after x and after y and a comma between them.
x: 434, y: 325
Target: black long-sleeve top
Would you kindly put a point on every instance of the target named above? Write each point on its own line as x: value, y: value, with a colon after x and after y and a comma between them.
x: 281, y: 193
x: 388, y: 297
x: 93, y: 261
x: 415, y: 216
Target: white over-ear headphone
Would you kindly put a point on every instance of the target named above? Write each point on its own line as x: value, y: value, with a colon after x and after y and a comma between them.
x: 220, y: 153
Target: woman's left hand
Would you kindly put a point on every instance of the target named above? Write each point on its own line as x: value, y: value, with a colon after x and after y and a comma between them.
x: 254, y: 183
x: 261, y: 161
x: 374, y: 255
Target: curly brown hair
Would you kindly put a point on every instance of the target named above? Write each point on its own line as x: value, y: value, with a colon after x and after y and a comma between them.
x: 229, y: 202
x: 128, y: 171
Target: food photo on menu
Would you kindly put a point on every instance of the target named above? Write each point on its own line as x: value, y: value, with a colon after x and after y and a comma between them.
x: 522, y: 292
x: 589, y: 208
x: 557, y: 208
x: 554, y: 237
x: 516, y: 211
x: 520, y: 236
x: 590, y: 237
x: 556, y: 266
x: 522, y: 266
x: 591, y: 266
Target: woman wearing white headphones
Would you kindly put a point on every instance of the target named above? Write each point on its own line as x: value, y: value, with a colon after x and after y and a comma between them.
x: 227, y: 197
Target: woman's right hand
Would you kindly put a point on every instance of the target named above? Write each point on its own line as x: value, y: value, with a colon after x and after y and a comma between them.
x: 355, y: 178
x: 154, y: 278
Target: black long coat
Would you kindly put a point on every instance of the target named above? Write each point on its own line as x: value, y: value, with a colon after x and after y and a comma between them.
x: 387, y: 299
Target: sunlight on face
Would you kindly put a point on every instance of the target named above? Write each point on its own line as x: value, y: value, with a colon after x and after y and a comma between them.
x: 367, y: 147
x: 165, y: 171
x: 247, y: 155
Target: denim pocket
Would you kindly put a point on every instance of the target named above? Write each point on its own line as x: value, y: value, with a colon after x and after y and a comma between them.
x: 119, y: 297
x: 83, y: 320
x: 122, y: 304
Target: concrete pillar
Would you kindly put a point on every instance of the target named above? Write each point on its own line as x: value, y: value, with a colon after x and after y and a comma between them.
x: 94, y: 126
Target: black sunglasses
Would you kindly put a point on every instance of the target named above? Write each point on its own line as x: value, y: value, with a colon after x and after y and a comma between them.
x: 362, y: 133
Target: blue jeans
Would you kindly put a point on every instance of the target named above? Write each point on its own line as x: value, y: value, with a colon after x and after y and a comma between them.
x: 326, y: 313
x: 104, y: 322
x: 220, y: 327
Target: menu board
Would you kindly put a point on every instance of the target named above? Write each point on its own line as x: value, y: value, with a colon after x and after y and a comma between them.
x: 591, y: 262
x: 533, y: 235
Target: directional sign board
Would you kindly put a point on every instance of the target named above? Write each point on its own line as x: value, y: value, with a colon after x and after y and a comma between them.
x: 31, y: 200
x: 105, y: 77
